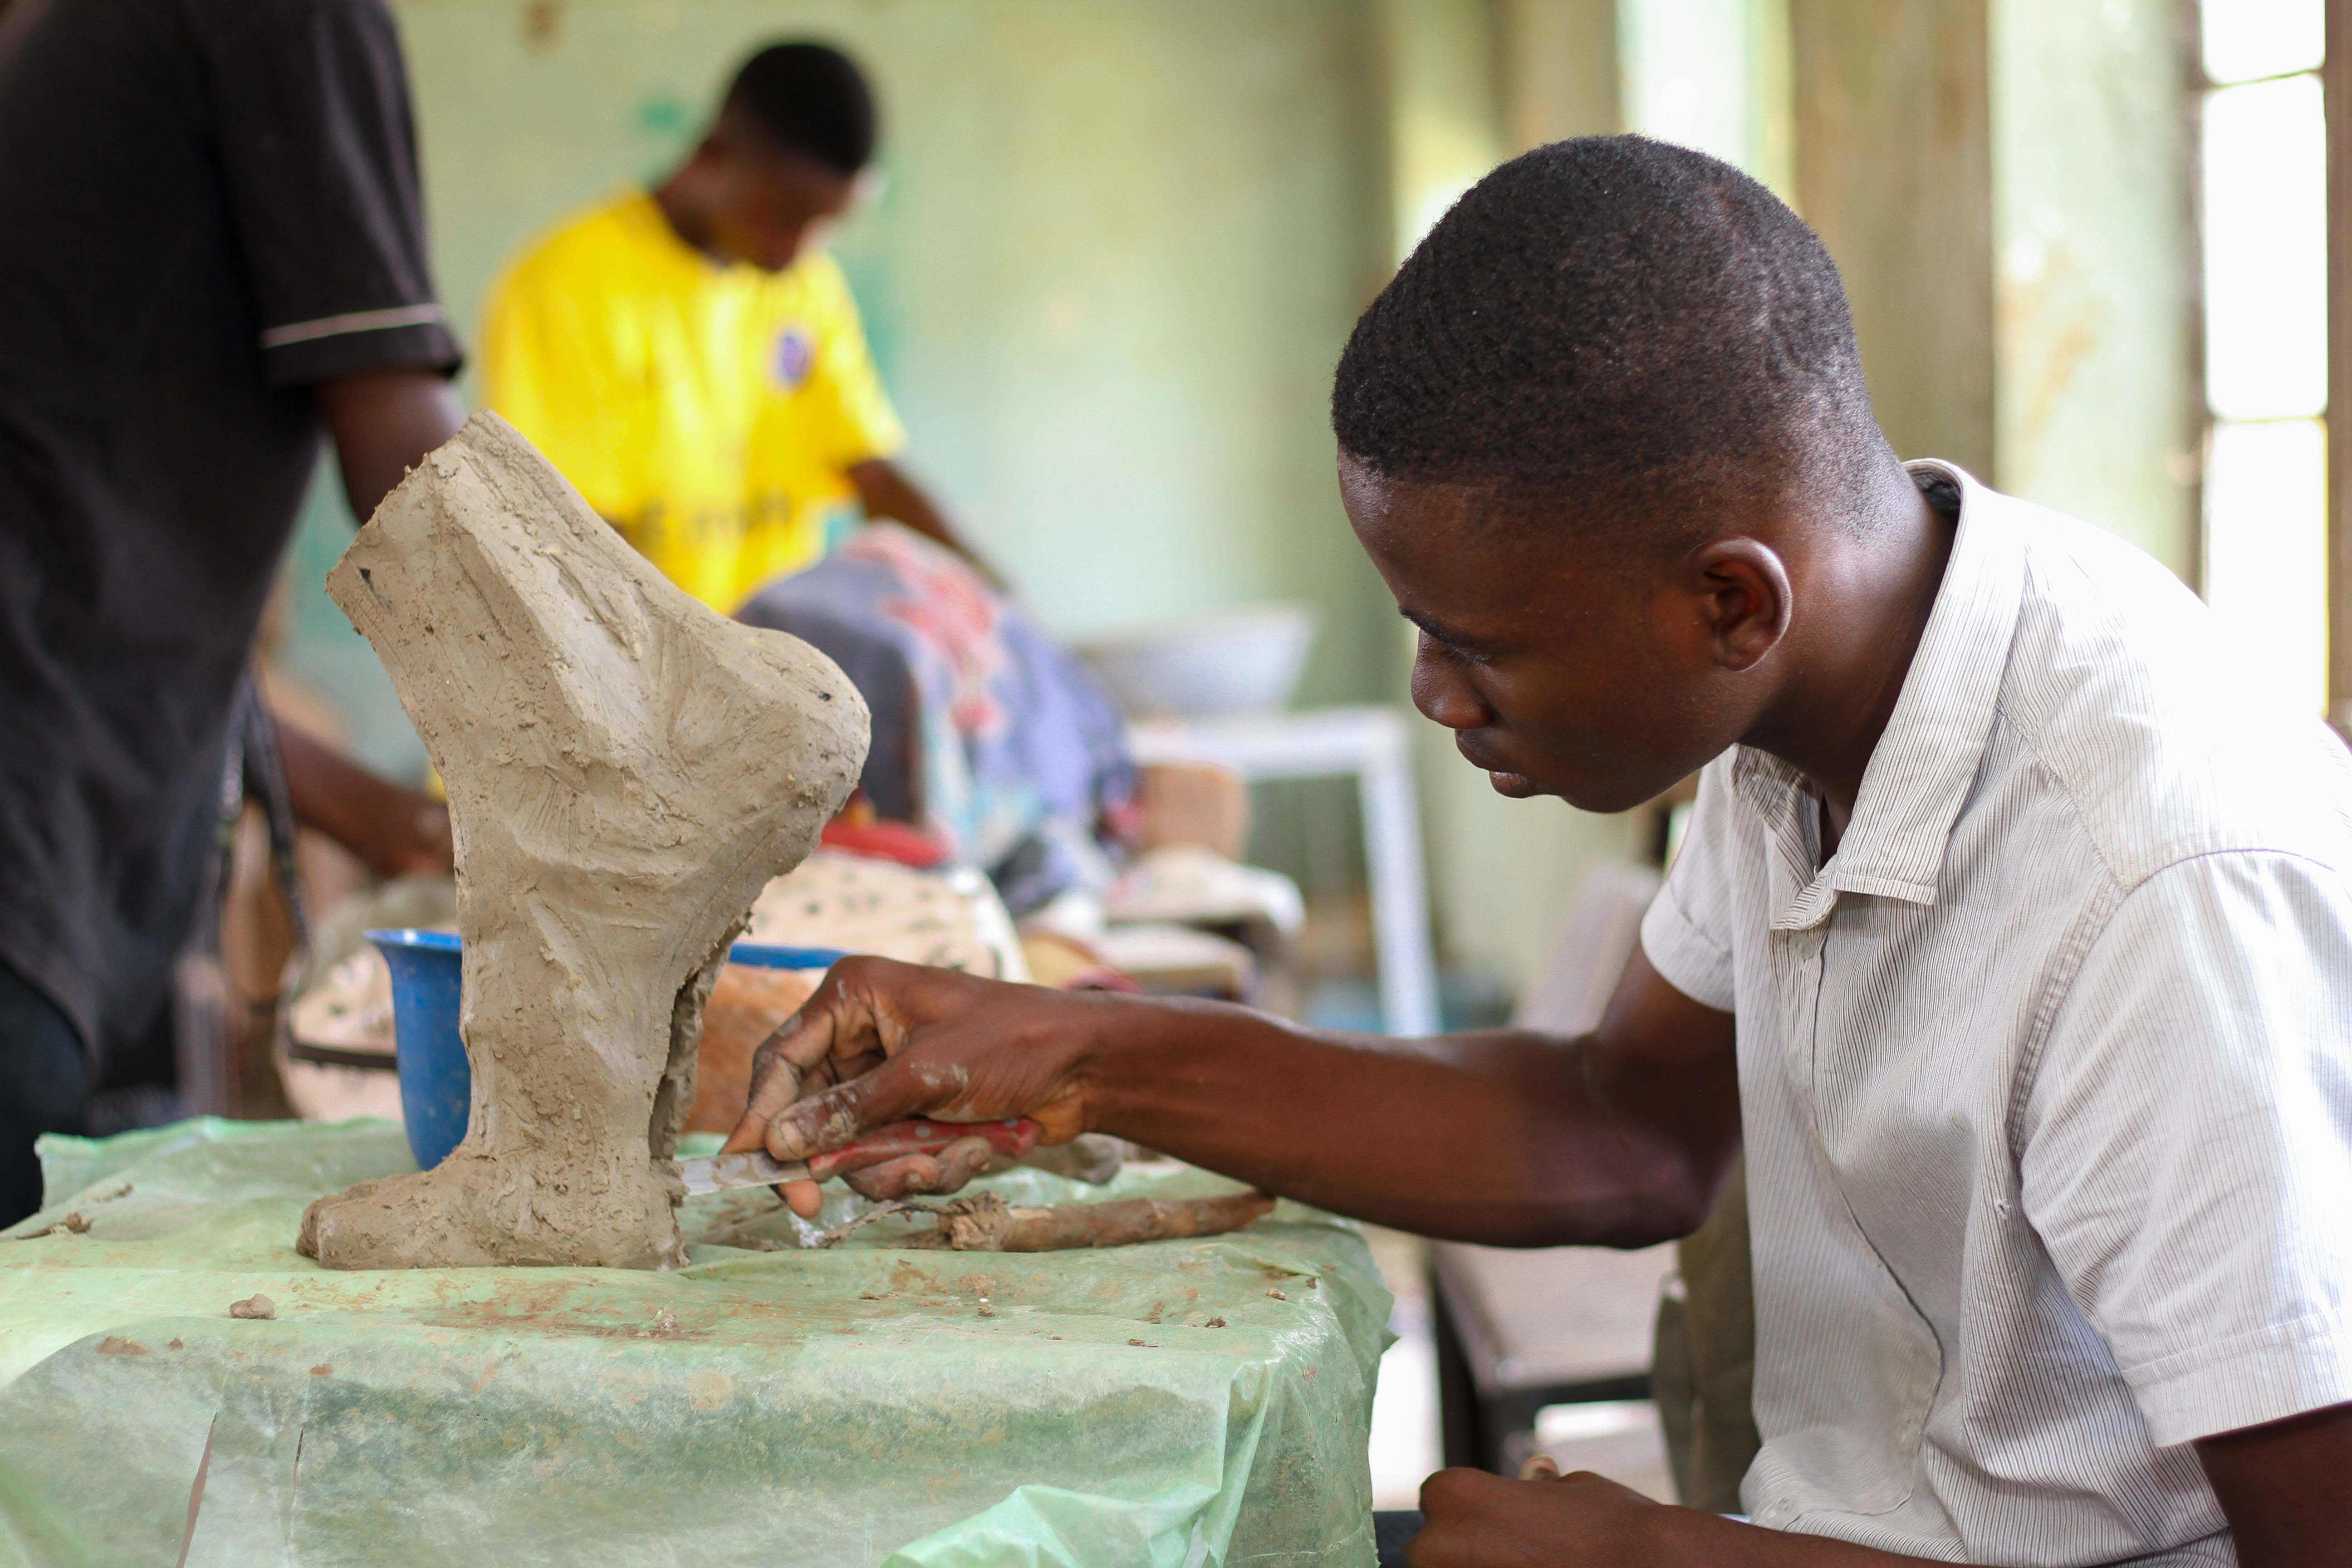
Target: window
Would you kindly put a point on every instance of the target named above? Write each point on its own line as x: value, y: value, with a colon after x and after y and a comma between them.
x: 2265, y: 263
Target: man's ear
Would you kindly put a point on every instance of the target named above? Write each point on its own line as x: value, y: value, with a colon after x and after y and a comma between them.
x: 1744, y: 599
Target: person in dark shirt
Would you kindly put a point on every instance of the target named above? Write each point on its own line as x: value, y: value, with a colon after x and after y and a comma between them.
x: 216, y: 253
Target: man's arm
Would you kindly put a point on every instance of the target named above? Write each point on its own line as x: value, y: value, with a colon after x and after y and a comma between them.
x: 2283, y: 1489
x: 1620, y: 1137
x: 885, y: 491
x: 384, y: 422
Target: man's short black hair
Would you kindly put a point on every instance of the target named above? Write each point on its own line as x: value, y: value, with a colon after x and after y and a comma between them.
x: 809, y: 97
x: 1613, y: 330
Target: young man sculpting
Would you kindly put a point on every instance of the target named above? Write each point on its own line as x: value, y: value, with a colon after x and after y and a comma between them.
x: 2012, y: 931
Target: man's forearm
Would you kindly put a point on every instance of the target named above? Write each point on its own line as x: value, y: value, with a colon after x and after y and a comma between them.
x: 395, y: 831
x: 1695, y: 1539
x: 1504, y: 1137
x: 884, y: 490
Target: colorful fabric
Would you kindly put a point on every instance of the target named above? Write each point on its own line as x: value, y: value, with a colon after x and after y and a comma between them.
x: 984, y: 730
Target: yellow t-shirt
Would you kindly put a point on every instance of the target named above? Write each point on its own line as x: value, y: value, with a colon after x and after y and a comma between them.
x: 710, y: 412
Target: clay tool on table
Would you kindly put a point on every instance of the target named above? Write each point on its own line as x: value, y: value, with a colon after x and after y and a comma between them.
x: 1012, y: 1137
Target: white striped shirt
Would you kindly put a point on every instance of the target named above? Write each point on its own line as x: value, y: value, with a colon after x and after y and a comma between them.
x: 2046, y: 1075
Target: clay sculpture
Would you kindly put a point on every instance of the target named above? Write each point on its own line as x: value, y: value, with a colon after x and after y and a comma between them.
x: 625, y: 771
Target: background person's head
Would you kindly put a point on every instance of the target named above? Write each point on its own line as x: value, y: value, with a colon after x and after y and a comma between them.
x: 783, y: 160
x: 1611, y: 357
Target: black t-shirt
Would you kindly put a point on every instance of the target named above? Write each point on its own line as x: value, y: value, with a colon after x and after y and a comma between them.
x: 208, y: 205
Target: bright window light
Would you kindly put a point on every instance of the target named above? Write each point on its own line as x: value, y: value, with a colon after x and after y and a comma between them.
x: 2267, y: 548
x: 1688, y: 77
x: 2266, y: 250
x: 2265, y: 234
x: 2248, y: 39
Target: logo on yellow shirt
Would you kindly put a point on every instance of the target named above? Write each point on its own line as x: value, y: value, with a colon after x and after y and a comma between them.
x: 793, y: 358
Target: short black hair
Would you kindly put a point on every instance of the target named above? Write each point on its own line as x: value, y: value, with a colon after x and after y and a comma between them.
x: 809, y: 97
x: 1630, y: 328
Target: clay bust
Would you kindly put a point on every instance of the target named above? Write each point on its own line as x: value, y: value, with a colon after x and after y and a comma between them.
x: 625, y: 770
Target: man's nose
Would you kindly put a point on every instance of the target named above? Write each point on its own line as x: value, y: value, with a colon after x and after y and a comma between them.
x: 1441, y: 694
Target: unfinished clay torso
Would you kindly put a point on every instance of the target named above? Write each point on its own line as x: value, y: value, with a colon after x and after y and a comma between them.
x: 625, y: 771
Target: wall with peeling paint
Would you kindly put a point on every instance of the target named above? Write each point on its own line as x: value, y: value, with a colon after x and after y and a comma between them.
x: 2093, y: 400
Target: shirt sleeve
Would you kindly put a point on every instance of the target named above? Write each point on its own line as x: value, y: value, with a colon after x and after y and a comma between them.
x: 319, y: 155
x: 1687, y: 934
x: 2185, y: 1148
x: 848, y: 412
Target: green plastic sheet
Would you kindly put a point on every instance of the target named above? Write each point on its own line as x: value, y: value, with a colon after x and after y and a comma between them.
x: 867, y: 1404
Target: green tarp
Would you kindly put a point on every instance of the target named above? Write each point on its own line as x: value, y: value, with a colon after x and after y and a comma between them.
x: 1179, y: 1404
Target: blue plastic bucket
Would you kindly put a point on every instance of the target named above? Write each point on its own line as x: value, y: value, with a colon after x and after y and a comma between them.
x: 437, y: 1086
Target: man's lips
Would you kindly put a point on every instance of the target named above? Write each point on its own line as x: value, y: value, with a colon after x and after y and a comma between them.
x: 1478, y: 754
x: 1506, y: 781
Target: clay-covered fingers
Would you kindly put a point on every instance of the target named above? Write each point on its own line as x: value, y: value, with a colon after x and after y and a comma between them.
x: 889, y: 1092
x: 775, y: 1083
x: 913, y: 1174
x: 842, y: 1029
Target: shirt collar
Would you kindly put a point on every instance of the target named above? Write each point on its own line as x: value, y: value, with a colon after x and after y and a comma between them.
x: 1919, y: 774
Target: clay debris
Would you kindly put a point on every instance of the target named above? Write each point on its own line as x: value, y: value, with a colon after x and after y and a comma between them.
x: 254, y: 1306
x: 626, y: 769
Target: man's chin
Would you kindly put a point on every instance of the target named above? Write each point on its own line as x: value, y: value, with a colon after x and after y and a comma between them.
x: 1606, y: 799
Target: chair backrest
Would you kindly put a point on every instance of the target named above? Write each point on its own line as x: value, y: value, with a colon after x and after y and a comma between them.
x: 1602, y: 929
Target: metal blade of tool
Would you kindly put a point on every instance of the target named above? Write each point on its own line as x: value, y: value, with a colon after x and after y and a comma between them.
x: 724, y: 1172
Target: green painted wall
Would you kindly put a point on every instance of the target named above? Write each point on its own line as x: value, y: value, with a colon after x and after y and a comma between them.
x: 1118, y: 249
x: 1122, y: 241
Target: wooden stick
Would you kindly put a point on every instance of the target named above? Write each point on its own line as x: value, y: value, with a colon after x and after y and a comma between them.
x: 1001, y: 1227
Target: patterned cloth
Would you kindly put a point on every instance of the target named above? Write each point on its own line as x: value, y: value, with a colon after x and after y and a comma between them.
x: 2046, y: 1074
x: 984, y: 730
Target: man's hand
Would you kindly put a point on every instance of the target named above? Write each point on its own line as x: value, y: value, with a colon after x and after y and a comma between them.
x: 1478, y: 1520
x: 882, y: 1041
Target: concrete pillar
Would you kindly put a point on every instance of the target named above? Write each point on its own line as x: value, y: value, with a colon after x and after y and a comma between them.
x: 2005, y: 186
x: 1894, y: 168
x: 1557, y: 68
x: 2337, y: 78
x: 1443, y: 124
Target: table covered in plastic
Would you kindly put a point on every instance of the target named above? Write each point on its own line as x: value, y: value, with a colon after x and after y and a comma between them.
x: 1178, y: 1404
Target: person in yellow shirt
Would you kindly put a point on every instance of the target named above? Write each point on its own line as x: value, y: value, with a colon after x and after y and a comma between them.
x: 692, y: 360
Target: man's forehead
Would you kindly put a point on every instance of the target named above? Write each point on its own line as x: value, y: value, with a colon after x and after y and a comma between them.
x: 1377, y: 499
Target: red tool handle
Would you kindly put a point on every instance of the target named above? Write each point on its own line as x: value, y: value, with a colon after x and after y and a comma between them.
x: 1014, y: 1137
